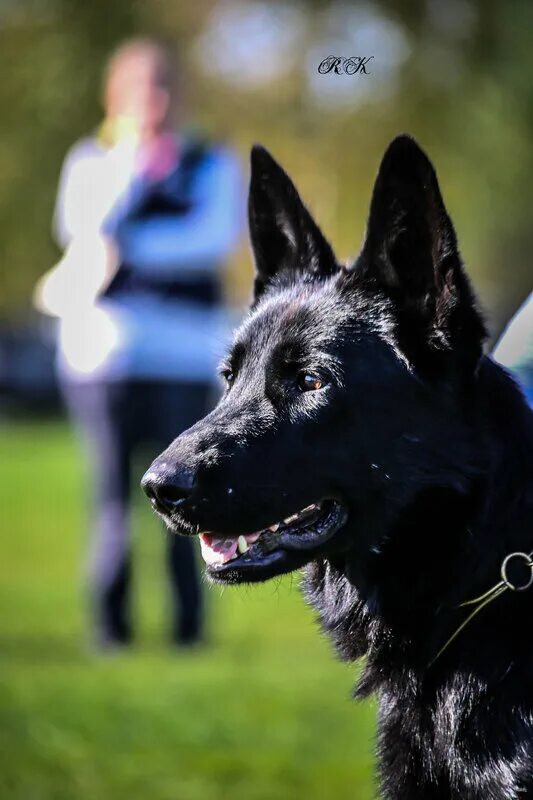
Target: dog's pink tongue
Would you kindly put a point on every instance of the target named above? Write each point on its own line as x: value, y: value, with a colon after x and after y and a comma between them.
x: 217, y: 550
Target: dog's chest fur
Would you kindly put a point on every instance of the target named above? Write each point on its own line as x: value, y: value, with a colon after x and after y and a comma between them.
x: 444, y: 733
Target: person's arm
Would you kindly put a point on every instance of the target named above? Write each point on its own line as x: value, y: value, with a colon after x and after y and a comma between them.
x: 76, y: 209
x: 94, y: 185
x: 200, y: 238
x: 89, y: 186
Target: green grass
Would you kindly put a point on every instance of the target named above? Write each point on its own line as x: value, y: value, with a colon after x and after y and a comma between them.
x: 263, y: 712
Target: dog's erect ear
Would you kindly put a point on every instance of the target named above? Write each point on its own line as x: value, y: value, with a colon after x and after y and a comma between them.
x: 411, y: 251
x: 284, y: 235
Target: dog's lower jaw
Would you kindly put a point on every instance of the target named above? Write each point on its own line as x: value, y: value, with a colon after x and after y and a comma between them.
x: 279, y: 550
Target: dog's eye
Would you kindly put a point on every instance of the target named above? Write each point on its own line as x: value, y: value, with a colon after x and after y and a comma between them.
x: 228, y: 375
x: 309, y: 383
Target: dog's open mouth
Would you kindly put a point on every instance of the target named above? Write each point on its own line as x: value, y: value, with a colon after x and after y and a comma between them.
x: 280, y: 547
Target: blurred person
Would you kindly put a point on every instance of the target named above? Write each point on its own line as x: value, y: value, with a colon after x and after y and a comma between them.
x: 515, y: 347
x: 147, y: 217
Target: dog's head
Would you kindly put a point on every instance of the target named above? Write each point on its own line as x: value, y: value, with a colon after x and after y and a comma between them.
x: 343, y: 386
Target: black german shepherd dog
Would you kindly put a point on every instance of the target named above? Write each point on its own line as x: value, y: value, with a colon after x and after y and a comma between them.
x: 363, y: 433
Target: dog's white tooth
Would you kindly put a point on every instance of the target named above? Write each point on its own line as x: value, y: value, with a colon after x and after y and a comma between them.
x: 290, y: 519
x: 274, y: 527
x: 242, y: 545
x: 308, y: 508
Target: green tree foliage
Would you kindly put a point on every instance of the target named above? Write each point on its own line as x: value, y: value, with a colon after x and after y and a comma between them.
x: 465, y: 90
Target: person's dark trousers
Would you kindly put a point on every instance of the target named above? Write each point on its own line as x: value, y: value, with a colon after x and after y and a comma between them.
x: 122, y: 420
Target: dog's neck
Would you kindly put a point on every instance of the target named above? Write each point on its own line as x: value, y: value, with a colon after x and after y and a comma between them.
x: 461, y: 726
x: 400, y: 604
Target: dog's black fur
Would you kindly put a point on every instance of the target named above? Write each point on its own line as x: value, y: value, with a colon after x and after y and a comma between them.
x: 425, y: 443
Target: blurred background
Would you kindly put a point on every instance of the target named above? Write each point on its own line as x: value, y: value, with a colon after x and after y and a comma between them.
x: 263, y: 711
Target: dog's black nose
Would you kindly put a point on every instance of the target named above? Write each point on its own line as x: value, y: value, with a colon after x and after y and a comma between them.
x: 167, y: 489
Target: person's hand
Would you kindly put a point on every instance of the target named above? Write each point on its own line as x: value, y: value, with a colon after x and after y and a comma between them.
x: 157, y: 157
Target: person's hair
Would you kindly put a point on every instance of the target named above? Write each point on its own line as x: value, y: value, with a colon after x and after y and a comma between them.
x: 160, y: 55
